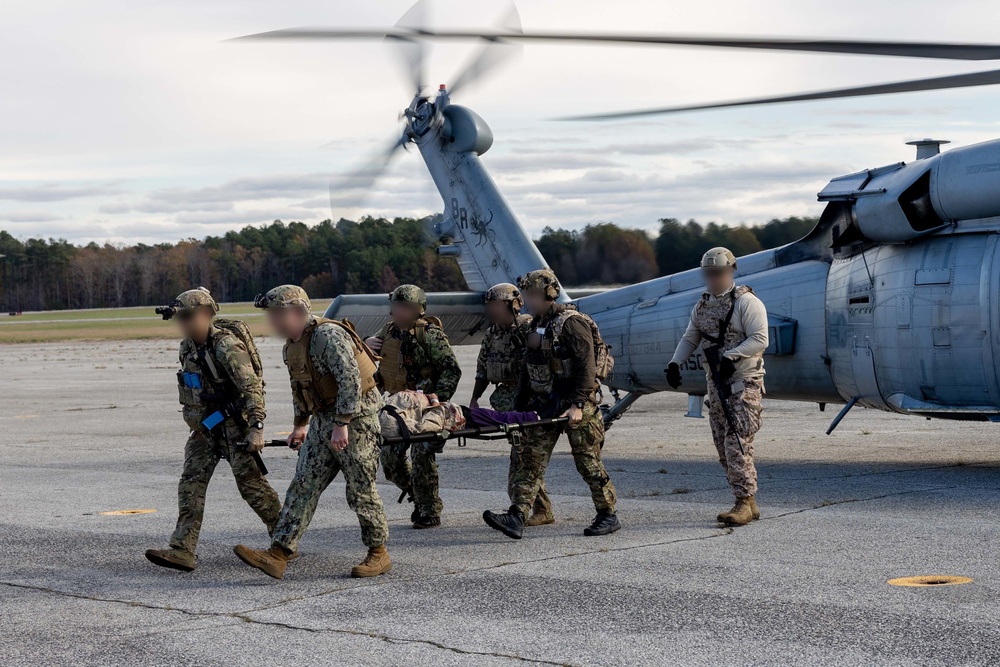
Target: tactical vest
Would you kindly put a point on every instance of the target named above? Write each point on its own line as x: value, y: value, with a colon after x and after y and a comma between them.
x: 504, y: 351
x: 318, y: 391
x: 552, y: 360
x: 201, y: 382
x: 397, y: 355
x: 713, y: 315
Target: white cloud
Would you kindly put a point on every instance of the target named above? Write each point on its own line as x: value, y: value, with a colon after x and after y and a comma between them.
x: 150, y: 127
x: 30, y: 216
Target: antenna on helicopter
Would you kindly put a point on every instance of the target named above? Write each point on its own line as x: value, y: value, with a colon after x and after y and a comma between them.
x: 927, y: 147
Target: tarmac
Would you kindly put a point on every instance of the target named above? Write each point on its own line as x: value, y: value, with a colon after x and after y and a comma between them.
x: 94, y: 427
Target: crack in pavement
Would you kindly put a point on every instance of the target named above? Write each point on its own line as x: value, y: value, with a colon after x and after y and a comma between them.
x: 246, y: 618
x: 848, y: 501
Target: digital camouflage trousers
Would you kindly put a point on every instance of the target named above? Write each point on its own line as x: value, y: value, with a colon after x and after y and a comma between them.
x: 202, y: 454
x: 745, y: 407
x: 531, y: 456
x: 421, y: 476
x: 318, y: 465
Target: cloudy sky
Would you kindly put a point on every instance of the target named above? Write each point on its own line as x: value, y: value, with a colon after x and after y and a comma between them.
x: 132, y: 120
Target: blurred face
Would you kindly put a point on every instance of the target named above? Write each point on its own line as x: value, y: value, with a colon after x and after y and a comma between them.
x: 404, y: 315
x: 718, y: 281
x: 194, y: 324
x: 536, y: 301
x: 288, y: 322
x: 500, y: 313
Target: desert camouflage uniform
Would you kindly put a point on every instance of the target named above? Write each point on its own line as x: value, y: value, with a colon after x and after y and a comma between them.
x: 503, y: 348
x: 332, y: 351
x: 421, y: 476
x: 227, y: 441
x: 531, y: 457
x: 747, y: 385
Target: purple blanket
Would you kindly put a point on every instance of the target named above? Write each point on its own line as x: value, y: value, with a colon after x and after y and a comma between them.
x: 482, y: 417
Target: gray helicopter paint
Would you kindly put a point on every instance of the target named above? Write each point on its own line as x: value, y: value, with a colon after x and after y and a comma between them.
x: 914, y: 336
x: 644, y: 322
x: 909, y: 324
x: 474, y: 208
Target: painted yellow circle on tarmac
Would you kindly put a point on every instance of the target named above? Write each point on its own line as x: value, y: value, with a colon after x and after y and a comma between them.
x: 929, y: 581
x: 126, y: 512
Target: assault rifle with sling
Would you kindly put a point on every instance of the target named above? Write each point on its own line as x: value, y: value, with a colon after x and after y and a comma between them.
x: 713, y: 357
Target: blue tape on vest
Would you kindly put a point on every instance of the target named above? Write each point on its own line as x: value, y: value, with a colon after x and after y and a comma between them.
x: 213, y: 420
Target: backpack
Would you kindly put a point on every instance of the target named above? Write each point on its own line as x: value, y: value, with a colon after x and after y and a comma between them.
x: 240, y: 329
x: 421, y: 331
x: 603, y: 360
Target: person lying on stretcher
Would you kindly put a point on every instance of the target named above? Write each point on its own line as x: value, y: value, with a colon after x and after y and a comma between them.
x: 410, y: 412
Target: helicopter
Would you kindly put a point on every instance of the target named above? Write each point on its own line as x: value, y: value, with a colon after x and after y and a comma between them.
x: 891, y: 302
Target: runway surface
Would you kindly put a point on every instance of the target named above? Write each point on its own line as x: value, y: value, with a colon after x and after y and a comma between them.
x: 94, y: 427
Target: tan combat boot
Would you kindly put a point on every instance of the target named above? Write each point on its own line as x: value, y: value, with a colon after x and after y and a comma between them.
x: 540, y: 519
x: 172, y: 558
x: 271, y: 562
x: 375, y: 563
x: 743, y: 512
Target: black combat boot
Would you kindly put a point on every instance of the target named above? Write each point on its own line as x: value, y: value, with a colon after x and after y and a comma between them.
x: 604, y: 524
x: 425, y: 521
x: 510, y: 523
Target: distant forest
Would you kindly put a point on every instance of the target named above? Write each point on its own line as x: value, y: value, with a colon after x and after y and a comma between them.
x: 328, y: 259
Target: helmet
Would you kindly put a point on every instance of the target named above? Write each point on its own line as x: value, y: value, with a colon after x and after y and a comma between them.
x: 284, y: 296
x: 718, y: 258
x: 408, y: 294
x: 189, y: 301
x: 505, y: 292
x: 540, y: 279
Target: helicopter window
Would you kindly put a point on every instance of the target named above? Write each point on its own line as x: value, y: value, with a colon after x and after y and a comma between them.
x: 916, y: 204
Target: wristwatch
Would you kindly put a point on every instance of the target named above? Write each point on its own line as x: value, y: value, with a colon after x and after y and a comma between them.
x: 259, y: 425
x: 340, y: 423
x: 579, y: 404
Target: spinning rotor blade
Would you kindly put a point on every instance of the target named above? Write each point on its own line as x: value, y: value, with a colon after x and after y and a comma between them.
x: 360, y: 181
x: 493, y: 54
x: 412, y: 52
x: 989, y: 78
x: 938, y: 50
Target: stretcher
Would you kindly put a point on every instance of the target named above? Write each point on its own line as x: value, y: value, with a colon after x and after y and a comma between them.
x: 493, y: 432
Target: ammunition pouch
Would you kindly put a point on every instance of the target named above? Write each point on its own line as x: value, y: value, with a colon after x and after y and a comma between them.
x: 189, y: 388
x: 501, y: 372
x: 540, y: 378
x: 562, y: 368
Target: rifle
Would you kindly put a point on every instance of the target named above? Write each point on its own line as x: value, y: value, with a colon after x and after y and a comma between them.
x: 723, y: 390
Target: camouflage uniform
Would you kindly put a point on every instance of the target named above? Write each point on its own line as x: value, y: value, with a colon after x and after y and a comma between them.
x: 332, y: 351
x: 531, y: 457
x: 501, y: 363
x: 205, y: 448
x: 430, y: 367
x: 744, y: 343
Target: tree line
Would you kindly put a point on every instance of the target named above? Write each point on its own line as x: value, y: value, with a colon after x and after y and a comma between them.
x: 369, y: 256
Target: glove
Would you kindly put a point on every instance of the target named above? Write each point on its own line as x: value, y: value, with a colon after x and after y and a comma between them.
x: 727, y: 368
x: 673, y: 372
x: 255, y: 441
